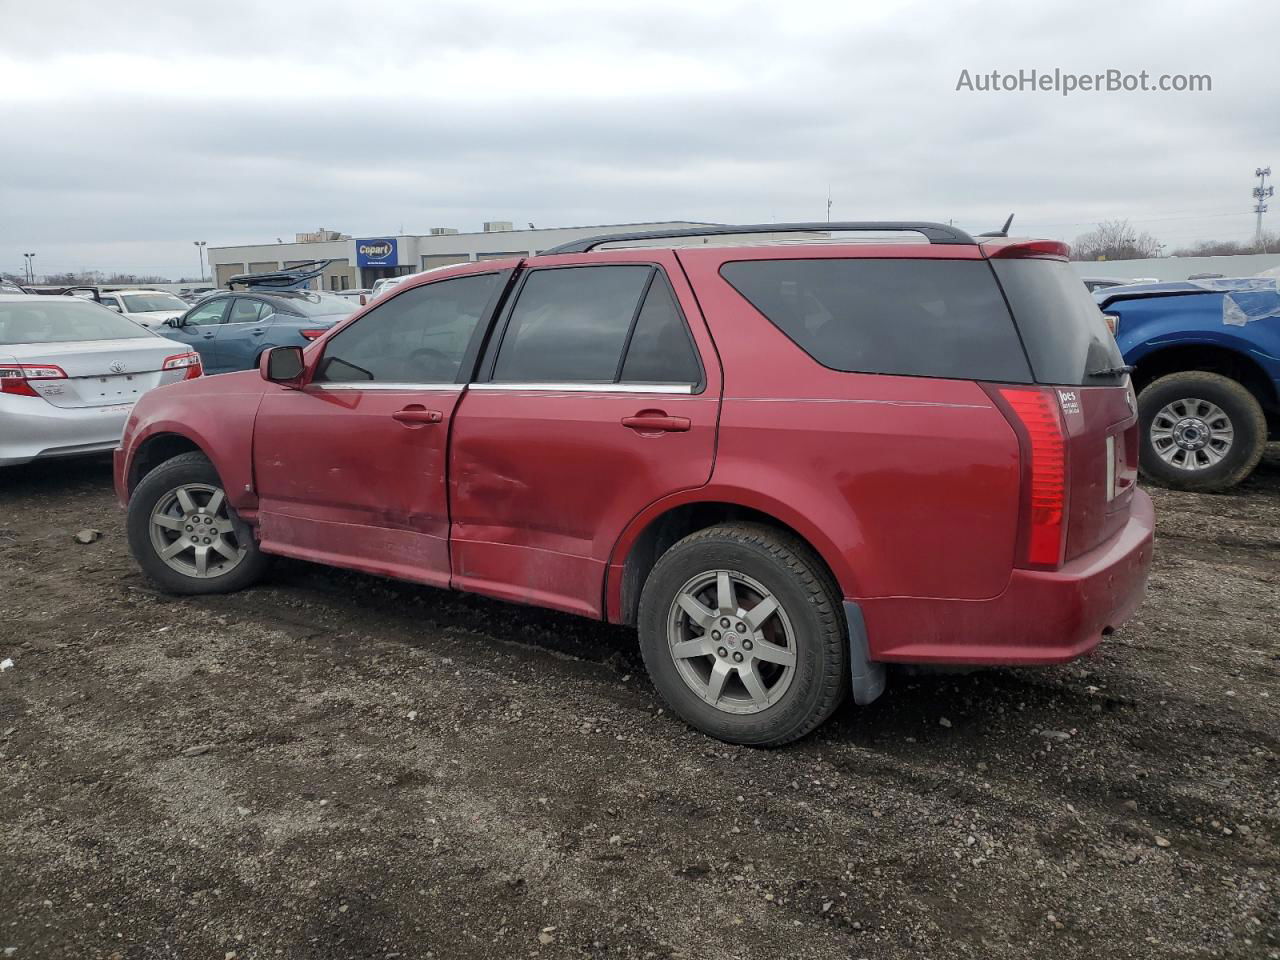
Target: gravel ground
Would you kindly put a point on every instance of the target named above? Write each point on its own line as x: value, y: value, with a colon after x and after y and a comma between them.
x: 336, y: 766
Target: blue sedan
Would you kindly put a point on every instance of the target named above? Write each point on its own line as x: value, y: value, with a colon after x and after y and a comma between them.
x: 231, y: 331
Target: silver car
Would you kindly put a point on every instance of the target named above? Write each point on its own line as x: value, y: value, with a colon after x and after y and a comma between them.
x: 70, y: 372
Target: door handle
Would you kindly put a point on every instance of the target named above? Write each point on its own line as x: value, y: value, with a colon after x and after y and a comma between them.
x: 257, y: 333
x: 207, y: 336
x: 418, y: 415
x: 656, y: 422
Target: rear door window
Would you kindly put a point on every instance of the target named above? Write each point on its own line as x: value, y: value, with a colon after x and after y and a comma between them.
x: 599, y: 324
x: 570, y: 325
x: 914, y: 317
x: 1064, y: 331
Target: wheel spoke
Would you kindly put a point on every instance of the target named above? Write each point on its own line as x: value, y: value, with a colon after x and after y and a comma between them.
x: 699, y: 614
x: 215, y: 502
x: 169, y: 523
x: 762, y: 611
x: 715, y: 686
x: 771, y: 652
x: 689, y: 648
x: 202, y: 561
x: 184, y: 500
x: 173, y: 549
x: 725, y: 598
x: 755, y: 686
x: 225, y: 548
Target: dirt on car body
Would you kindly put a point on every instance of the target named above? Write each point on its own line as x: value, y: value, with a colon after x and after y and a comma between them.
x: 337, y: 766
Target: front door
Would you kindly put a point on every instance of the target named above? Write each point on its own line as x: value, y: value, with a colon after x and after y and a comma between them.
x: 351, y: 467
x: 199, y: 329
x: 594, y: 401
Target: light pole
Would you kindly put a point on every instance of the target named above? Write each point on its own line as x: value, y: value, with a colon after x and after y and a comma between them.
x: 28, y: 258
x: 200, y: 244
x: 1260, y: 193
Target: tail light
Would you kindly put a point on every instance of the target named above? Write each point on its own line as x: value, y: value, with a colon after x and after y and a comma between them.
x: 312, y: 334
x: 1112, y: 321
x: 188, y: 361
x: 15, y: 377
x: 1035, y: 417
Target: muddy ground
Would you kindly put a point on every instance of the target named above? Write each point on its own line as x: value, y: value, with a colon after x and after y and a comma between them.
x: 380, y: 770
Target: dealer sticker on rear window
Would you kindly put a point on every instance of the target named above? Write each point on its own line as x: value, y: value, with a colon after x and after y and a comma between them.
x: 1070, y: 402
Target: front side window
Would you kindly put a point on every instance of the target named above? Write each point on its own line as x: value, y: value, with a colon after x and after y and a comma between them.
x: 419, y: 336
x: 206, y: 314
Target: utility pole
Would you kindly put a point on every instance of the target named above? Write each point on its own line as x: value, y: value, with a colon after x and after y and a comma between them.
x: 828, y: 203
x: 200, y: 247
x: 1260, y: 193
x: 28, y: 259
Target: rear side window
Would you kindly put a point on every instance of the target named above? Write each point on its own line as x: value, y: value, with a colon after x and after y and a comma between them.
x: 923, y: 318
x: 1065, y: 334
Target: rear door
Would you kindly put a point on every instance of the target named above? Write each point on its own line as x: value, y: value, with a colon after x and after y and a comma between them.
x: 594, y: 401
x: 351, y: 468
x: 243, y: 333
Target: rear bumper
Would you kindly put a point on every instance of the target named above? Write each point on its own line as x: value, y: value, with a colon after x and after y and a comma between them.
x: 1040, y: 618
x: 32, y: 429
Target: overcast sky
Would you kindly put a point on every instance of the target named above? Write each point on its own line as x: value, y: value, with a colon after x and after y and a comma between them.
x: 130, y: 130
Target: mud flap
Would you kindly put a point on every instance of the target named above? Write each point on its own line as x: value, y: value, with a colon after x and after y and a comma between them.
x: 867, y: 676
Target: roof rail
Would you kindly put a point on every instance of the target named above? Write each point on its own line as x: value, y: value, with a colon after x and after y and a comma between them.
x: 933, y: 232
x: 291, y: 278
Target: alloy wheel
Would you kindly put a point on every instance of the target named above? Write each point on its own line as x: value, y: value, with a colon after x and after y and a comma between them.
x: 732, y: 642
x: 192, y: 532
x: 1191, y: 434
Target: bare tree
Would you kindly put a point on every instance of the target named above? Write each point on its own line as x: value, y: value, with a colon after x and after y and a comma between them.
x: 1227, y: 248
x: 1114, y: 240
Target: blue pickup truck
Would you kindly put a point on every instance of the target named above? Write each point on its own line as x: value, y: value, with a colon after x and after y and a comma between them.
x: 1206, y: 359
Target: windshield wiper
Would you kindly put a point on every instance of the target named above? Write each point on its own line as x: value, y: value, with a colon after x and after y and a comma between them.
x: 1110, y: 371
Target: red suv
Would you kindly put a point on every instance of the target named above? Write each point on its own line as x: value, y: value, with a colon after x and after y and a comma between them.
x: 788, y: 464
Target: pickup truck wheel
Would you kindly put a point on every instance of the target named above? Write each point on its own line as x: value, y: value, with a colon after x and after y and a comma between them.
x: 1199, y: 431
x: 185, y: 535
x: 743, y: 634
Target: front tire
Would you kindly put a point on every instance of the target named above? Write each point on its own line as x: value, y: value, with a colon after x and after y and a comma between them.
x: 1199, y: 431
x: 743, y: 634
x: 185, y: 535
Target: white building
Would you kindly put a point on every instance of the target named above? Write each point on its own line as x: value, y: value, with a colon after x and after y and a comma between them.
x: 359, y: 261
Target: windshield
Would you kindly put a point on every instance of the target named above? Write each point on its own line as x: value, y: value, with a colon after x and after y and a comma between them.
x: 319, y: 304
x: 63, y: 320
x: 151, y: 302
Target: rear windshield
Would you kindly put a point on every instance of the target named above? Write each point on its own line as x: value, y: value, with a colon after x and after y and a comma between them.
x: 923, y: 318
x: 1065, y: 334
x: 63, y: 320
x: 318, y: 305
x: 151, y: 302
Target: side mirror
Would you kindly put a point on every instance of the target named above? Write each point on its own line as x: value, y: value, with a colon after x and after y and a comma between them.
x: 364, y: 299
x: 173, y: 322
x: 282, y: 365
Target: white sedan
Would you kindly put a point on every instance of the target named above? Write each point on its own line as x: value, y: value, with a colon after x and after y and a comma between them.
x: 70, y: 372
x: 151, y: 308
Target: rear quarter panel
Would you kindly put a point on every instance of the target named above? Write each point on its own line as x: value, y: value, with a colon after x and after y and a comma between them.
x: 912, y: 484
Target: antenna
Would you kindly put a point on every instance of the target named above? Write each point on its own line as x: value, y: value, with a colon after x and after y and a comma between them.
x: 1002, y: 232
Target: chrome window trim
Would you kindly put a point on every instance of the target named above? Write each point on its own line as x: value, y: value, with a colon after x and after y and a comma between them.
x: 681, y: 388
x: 450, y: 387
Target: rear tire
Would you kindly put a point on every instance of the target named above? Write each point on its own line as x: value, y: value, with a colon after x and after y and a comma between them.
x: 1199, y: 431
x: 184, y: 534
x: 765, y: 685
